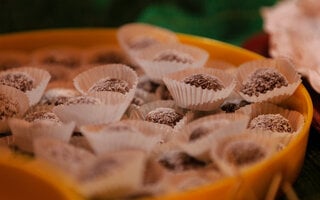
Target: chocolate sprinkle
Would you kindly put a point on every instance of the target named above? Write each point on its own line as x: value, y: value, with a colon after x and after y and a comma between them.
x: 262, y: 81
x: 174, y: 56
x: 242, y: 153
x: 204, y: 81
x: 18, y: 80
x: 8, y: 108
x: 82, y: 100
x: 54, y: 101
x: 42, y: 116
x: 110, y: 84
x: 166, y: 116
x: 271, y: 122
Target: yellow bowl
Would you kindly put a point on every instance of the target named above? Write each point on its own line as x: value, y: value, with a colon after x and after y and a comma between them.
x: 22, y: 178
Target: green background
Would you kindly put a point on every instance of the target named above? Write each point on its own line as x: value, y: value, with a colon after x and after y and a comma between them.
x: 228, y: 20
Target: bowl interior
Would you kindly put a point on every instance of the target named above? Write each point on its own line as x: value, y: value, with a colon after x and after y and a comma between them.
x: 254, y: 182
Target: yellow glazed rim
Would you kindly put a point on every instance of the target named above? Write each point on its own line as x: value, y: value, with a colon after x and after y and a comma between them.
x: 257, y: 182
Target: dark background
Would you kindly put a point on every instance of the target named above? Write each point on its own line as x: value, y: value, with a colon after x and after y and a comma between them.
x: 228, y: 20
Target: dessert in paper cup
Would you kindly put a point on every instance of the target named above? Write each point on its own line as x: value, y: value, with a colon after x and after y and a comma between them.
x: 202, y: 89
x: 273, y: 120
x: 32, y: 81
x: 87, y: 110
x: 113, y: 175
x: 197, y: 136
x: 163, y: 112
x: 38, y: 124
x: 110, y: 137
x: 135, y: 37
x: 236, y: 152
x: 12, y: 59
x: 272, y: 80
x: 14, y: 103
x: 65, y: 56
x: 162, y: 59
x: 63, y: 156
x: 57, y: 96
x: 113, y: 84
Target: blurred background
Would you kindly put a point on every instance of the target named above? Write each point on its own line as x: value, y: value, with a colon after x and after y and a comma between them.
x: 232, y: 21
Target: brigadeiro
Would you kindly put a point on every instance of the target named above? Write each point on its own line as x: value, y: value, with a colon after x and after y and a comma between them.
x: 202, y: 89
x: 272, y: 80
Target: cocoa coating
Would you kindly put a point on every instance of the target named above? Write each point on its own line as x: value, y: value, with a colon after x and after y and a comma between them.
x: 204, y: 81
x: 271, y: 122
x: 166, y: 116
x: 110, y: 84
x: 262, y: 81
x: 18, y: 80
x: 8, y: 108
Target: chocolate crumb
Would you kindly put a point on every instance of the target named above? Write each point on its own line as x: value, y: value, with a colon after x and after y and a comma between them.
x: 204, y: 81
x: 18, y: 80
x: 82, y: 100
x: 42, y: 116
x: 271, y: 122
x: 110, y: 84
x: 8, y: 108
x: 166, y: 116
x: 174, y: 56
x: 262, y: 81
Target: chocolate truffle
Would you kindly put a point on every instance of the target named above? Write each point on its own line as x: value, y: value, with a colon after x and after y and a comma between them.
x: 244, y: 152
x: 166, y: 116
x: 180, y: 161
x: 110, y: 84
x: 8, y: 108
x: 82, y: 100
x: 174, y: 56
x: 262, y: 81
x: 271, y: 122
x: 42, y: 116
x: 204, y: 81
x: 18, y: 80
